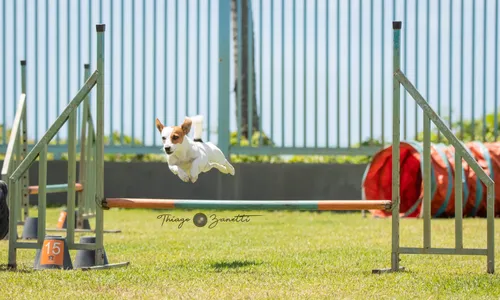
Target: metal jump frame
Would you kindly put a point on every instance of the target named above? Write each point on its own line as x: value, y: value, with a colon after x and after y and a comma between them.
x: 399, y: 78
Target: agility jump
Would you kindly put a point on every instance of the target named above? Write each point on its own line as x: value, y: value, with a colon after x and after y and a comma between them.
x: 97, y: 79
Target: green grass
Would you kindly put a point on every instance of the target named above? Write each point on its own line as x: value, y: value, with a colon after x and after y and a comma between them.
x: 286, y: 255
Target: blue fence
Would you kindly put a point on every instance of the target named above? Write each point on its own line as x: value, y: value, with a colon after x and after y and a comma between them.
x: 322, y: 69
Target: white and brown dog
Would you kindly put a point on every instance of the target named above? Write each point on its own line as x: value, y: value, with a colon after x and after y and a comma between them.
x: 187, y: 157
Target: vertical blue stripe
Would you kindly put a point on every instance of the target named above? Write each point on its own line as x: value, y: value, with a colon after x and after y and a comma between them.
x: 47, y: 67
x: 261, y: 71
x: 484, y: 70
x: 4, y: 117
x: 450, y: 71
x: 427, y: 46
x: 405, y: 93
x: 327, y: 110
x: 382, y: 99
x: 462, y: 71
x: 473, y: 78
x: 90, y: 36
x: 239, y: 85
x: 165, y: 73
x: 304, y: 71
x: 122, y: 72
x: 371, y: 72
x: 155, y: 60
x: 294, y: 42
x: 416, y: 67
x: 250, y: 72
x: 349, y: 75
x: 338, y: 73
x: 111, y: 59
x: 198, y: 57
x: 272, y: 70
x: 187, y: 59
x: 316, y: 74
x: 58, y: 70
x: 439, y: 66
x: 282, y: 72
x: 360, y: 49
x: 495, y: 82
x: 15, y: 56
x: 25, y: 30
x: 208, y: 69
x: 176, y: 60
x: 132, y: 111
x: 79, y: 55
x: 36, y: 68
x: 143, y: 137
x: 68, y: 61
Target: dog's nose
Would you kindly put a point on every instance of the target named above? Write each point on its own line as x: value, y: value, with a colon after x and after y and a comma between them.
x: 167, y: 149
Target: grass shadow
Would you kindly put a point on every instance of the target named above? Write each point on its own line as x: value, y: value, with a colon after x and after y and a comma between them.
x: 234, y: 265
x: 6, y: 268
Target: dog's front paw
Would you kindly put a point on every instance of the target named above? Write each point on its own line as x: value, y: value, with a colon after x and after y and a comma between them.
x: 183, y: 176
x: 194, y: 179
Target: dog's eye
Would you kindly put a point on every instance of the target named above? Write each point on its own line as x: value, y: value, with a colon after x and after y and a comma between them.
x: 175, y: 137
x: 163, y: 138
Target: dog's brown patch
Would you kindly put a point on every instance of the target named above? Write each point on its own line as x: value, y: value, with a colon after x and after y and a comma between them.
x: 159, y: 125
x: 177, y: 135
x: 186, y: 125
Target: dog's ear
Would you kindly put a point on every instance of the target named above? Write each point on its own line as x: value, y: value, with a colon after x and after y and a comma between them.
x: 159, y: 125
x: 186, y: 125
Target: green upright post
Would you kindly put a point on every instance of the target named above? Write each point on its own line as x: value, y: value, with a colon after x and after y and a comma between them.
x: 396, y: 26
x: 490, y: 215
x: 99, y: 159
x: 70, y: 224
x: 82, y: 176
x: 224, y: 62
x: 458, y: 201
x: 42, y: 194
x: 12, y: 225
x: 25, y: 177
x: 17, y: 184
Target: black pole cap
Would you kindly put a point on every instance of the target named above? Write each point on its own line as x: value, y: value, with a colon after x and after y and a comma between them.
x: 396, y: 24
x: 100, y: 27
x: 23, y: 63
x: 86, y: 66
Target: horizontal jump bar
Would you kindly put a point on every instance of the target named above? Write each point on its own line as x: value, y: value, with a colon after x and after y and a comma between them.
x: 249, y: 204
x: 55, y: 188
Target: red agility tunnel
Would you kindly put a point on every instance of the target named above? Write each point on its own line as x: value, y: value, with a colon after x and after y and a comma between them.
x: 377, y: 180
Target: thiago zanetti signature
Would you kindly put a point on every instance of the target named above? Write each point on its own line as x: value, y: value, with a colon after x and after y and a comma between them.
x: 200, y: 219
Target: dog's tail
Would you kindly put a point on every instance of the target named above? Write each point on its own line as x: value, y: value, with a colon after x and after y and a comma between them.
x: 197, y: 126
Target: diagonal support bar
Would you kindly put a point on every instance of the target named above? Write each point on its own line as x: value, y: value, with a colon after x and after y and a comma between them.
x: 436, y: 119
x: 21, y: 107
x: 56, y: 126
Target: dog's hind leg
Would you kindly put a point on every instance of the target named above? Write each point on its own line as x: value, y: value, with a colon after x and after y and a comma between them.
x: 229, y: 167
x: 225, y: 168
